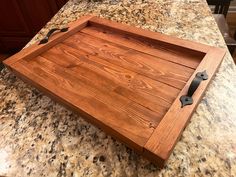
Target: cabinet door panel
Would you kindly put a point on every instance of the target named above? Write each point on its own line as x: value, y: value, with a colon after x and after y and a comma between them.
x: 20, y: 20
x: 61, y: 3
x: 13, y: 44
x: 37, y: 12
x: 12, y: 21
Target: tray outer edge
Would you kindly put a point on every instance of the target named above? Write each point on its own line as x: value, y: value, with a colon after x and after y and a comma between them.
x: 164, y: 138
x: 149, y: 152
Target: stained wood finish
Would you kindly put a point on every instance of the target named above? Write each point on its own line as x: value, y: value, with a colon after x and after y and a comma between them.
x: 138, y: 62
x: 155, y: 48
x: 115, y: 114
x: 165, y: 136
x: 112, y: 77
x: 125, y: 80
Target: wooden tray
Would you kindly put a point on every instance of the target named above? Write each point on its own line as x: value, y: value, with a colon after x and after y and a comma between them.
x: 126, y: 80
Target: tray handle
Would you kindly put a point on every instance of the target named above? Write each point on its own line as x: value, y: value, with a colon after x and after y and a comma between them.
x: 187, y: 99
x: 46, y: 38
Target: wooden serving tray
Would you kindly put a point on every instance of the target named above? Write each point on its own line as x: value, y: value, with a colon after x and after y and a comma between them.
x: 126, y: 80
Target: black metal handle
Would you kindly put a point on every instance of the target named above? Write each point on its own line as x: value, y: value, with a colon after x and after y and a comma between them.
x: 187, y: 99
x: 46, y: 38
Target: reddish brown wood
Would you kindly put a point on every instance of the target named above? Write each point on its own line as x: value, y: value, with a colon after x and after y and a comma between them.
x: 139, y: 62
x: 155, y: 48
x: 116, y: 78
x: 94, y: 101
x: 125, y: 80
x: 159, y: 146
x: 172, y: 42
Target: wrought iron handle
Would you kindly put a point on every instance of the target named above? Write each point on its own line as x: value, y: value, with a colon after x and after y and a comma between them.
x: 187, y: 99
x: 46, y: 38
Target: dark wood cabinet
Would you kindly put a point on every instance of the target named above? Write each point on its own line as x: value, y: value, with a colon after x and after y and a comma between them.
x: 20, y: 20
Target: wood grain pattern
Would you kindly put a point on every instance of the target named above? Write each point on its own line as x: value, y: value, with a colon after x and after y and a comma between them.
x: 161, y: 70
x: 149, y: 35
x: 118, y: 115
x: 89, y: 85
x: 123, y: 79
x: 113, y: 78
x: 155, y: 49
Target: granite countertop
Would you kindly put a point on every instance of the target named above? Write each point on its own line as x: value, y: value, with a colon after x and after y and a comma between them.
x: 38, y: 137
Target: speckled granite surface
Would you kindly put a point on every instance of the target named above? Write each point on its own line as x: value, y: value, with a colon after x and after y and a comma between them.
x: 38, y: 137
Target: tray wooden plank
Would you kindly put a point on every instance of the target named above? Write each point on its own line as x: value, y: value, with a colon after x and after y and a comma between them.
x: 114, y: 78
x: 99, y: 93
x: 146, y: 35
x: 126, y: 80
x: 138, y: 62
x: 141, y: 43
